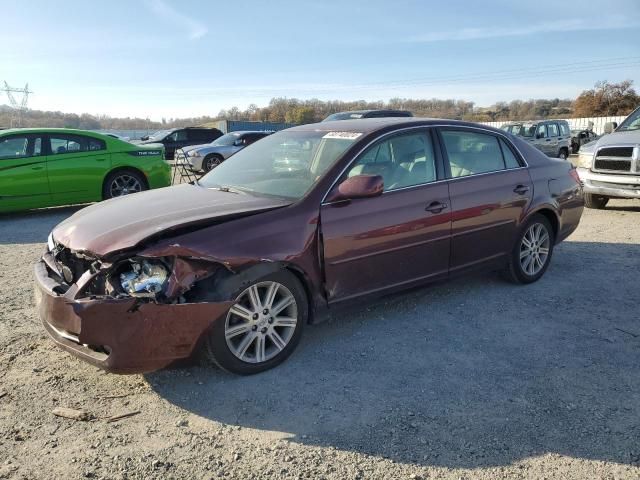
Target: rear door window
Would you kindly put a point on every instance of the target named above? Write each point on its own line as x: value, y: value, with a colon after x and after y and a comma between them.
x: 552, y: 129
x: 62, y: 144
x: 472, y: 153
x: 510, y: 160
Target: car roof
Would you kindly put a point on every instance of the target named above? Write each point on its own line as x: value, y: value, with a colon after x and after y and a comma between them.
x: 69, y: 131
x: 244, y: 132
x: 369, y: 125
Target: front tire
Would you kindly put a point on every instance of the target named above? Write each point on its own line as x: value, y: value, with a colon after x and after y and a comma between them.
x: 532, y: 251
x: 210, y: 162
x: 596, y: 202
x: 123, y: 182
x: 263, y: 327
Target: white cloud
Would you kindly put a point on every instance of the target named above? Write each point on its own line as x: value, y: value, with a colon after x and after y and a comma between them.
x: 194, y: 28
x: 566, y: 25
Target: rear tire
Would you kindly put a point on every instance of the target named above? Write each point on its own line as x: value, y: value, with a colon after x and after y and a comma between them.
x: 564, y: 154
x: 532, y: 251
x: 210, y: 162
x: 256, y: 334
x: 596, y: 202
x: 123, y: 182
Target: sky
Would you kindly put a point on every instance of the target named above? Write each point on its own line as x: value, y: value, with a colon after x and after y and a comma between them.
x: 187, y: 58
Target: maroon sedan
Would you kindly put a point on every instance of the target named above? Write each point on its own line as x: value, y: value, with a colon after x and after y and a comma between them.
x: 234, y: 266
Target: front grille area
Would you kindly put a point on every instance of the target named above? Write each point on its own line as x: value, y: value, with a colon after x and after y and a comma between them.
x: 614, y: 159
x: 625, y: 152
x: 614, y: 165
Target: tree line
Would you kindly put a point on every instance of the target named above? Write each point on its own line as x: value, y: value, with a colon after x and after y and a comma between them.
x: 605, y: 99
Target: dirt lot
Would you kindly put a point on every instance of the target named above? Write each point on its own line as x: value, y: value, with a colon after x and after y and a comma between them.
x: 475, y: 378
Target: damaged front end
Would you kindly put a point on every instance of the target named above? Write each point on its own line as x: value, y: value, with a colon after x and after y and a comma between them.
x: 129, y: 313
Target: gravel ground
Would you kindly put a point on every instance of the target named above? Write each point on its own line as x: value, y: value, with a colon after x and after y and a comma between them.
x: 475, y: 378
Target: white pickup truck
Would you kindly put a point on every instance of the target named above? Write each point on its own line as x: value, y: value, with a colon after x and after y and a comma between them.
x: 610, y: 166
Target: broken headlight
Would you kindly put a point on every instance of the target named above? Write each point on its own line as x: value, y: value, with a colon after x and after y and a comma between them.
x: 144, y: 278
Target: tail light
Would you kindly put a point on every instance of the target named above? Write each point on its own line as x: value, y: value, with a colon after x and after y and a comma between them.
x: 574, y: 174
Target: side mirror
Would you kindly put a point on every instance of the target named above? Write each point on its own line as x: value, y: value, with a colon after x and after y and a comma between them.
x: 610, y: 127
x: 358, y: 186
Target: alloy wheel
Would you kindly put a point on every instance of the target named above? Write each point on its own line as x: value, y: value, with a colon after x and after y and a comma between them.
x: 262, y: 322
x: 124, y: 185
x: 211, y: 163
x: 534, y: 249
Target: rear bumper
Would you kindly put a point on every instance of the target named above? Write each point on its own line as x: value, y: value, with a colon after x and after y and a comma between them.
x: 121, y: 335
x: 618, y: 186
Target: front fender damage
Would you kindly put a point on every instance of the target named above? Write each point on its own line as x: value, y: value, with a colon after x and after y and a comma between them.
x: 150, y: 333
x: 146, y: 336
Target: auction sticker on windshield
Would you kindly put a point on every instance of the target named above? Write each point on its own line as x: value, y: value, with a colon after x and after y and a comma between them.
x: 343, y: 135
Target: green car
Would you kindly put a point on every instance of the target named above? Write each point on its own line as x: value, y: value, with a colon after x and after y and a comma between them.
x: 45, y: 167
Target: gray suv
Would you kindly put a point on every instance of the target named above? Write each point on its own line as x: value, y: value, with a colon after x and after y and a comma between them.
x: 552, y: 137
x: 206, y: 157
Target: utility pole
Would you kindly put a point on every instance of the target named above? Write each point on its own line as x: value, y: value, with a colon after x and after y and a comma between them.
x: 18, y: 108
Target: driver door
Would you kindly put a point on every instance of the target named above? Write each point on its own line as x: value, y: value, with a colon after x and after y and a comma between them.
x: 395, y: 239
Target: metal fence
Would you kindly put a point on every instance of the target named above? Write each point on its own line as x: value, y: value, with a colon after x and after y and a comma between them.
x: 575, y: 123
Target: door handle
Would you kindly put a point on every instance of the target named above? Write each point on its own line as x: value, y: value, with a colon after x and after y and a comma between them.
x: 436, y: 207
x: 521, y: 189
x: 37, y: 168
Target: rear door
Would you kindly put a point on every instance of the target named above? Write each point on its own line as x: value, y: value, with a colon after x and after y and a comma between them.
x: 490, y: 189
x: 23, y: 173
x: 77, y: 165
x: 397, y: 238
x: 175, y: 140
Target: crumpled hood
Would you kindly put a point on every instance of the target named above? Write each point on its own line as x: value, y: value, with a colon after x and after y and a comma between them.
x: 124, y: 222
x: 616, y: 138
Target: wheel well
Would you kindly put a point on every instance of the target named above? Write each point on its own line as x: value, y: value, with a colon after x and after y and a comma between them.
x: 213, y: 155
x: 122, y: 169
x: 301, y: 277
x: 553, y: 220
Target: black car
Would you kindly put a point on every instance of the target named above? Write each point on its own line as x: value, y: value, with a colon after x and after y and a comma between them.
x: 181, y: 137
x: 355, y: 114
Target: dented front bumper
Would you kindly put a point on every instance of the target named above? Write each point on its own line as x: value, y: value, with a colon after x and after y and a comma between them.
x: 126, y: 335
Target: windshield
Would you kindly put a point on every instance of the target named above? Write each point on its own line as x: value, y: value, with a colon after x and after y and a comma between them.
x: 159, y: 135
x: 226, y: 140
x: 258, y: 168
x: 344, y: 116
x: 632, y: 122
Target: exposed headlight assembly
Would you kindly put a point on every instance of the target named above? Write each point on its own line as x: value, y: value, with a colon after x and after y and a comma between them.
x: 145, y: 278
x: 194, y: 153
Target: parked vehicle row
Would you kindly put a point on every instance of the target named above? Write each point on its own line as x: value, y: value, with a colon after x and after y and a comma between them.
x: 234, y: 266
x: 552, y: 137
x: 203, y: 158
x: 177, y: 138
x: 48, y: 167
